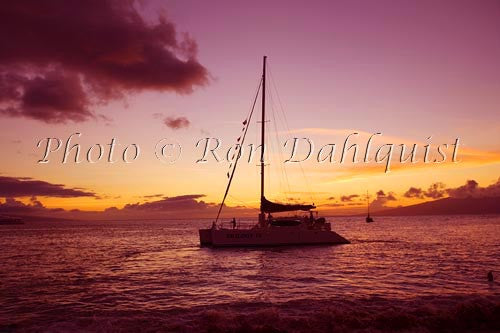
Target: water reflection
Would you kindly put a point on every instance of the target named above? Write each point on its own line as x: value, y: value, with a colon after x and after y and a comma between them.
x: 158, y: 266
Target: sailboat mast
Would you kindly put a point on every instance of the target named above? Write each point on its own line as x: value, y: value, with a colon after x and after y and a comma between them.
x: 262, y: 136
x: 368, y: 203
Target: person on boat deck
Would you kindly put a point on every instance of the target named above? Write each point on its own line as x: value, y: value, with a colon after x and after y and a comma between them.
x: 233, y: 222
x: 269, y: 217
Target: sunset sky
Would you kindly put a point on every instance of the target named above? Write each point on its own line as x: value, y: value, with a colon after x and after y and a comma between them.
x: 187, y: 70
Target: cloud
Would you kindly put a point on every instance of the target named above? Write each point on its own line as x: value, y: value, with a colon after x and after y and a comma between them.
x: 414, y: 192
x: 382, y: 199
x: 346, y: 198
x: 176, y: 123
x: 27, y: 187
x: 391, y: 197
x: 436, y: 191
x: 177, y: 207
x: 53, y: 98
x: 472, y: 189
x: 182, y: 202
x: 180, y: 206
x: 59, y: 60
x: 34, y: 207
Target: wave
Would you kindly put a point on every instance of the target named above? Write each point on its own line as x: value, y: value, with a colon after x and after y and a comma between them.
x: 375, y: 241
x: 375, y: 314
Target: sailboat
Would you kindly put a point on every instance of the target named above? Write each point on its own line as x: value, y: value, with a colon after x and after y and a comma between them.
x: 369, y: 219
x: 270, y: 231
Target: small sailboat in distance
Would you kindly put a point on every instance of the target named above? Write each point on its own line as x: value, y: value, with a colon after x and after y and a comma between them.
x: 269, y: 231
x: 368, y: 219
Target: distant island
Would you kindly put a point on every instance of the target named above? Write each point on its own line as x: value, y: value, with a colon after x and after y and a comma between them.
x: 446, y: 206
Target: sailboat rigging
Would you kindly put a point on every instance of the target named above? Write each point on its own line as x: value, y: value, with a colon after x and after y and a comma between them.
x: 269, y: 231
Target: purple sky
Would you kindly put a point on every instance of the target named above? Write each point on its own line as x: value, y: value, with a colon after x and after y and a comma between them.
x: 408, y: 69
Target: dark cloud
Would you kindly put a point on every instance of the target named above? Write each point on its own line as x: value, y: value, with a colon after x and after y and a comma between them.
x: 111, y: 209
x: 35, y: 202
x: 382, y: 199
x: 472, y: 189
x: 26, y: 187
x: 178, y: 203
x: 435, y: 191
x: 176, y: 123
x: 59, y: 59
x: 391, y: 197
x: 388, y: 197
x: 414, y: 192
x: 53, y: 98
x: 34, y: 207
x: 346, y: 198
x: 183, y: 206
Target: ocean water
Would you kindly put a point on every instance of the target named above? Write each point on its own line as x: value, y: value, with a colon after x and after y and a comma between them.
x: 417, y: 274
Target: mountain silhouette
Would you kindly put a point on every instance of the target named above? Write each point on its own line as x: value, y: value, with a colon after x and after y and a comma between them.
x: 448, y: 206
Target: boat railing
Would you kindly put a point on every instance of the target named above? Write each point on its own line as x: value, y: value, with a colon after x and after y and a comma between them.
x: 239, y: 225
x: 250, y: 225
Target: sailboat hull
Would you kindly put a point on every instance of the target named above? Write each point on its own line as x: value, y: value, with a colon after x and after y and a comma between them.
x: 269, y: 236
x: 205, y: 237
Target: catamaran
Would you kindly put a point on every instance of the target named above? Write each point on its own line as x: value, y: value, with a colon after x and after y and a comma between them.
x: 307, y: 229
